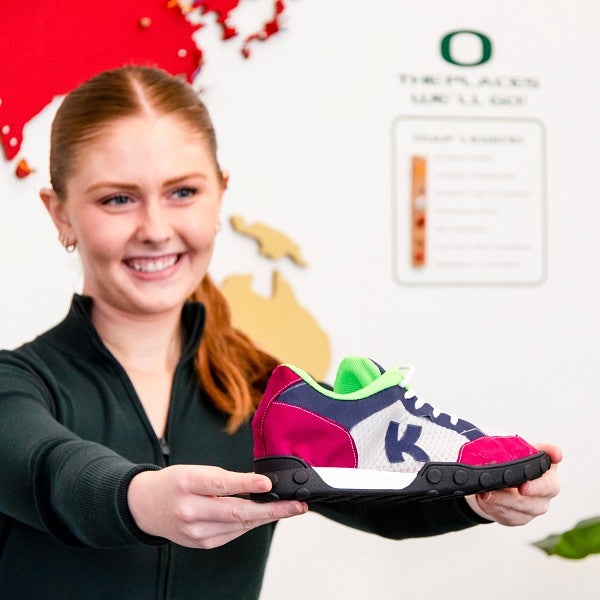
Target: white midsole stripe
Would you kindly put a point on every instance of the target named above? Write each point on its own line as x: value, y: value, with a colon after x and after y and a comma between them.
x: 364, y: 479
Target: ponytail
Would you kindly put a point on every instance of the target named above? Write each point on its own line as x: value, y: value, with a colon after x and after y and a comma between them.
x: 232, y: 370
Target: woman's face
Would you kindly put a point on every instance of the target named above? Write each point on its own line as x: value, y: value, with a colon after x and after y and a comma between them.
x: 143, y: 206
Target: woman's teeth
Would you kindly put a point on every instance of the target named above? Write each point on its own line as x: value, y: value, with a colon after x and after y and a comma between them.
x: 152, y: 265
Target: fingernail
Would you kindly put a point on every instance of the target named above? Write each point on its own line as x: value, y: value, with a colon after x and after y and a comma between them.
x: 263, y: 484
x: 298, y: 508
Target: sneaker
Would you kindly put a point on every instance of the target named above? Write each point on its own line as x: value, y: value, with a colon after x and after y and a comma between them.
x: 371, y: 437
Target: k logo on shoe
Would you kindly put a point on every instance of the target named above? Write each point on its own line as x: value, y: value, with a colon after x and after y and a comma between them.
x: 396, y: 448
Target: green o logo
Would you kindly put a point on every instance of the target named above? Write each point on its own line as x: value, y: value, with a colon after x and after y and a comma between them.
x: 486, y: 48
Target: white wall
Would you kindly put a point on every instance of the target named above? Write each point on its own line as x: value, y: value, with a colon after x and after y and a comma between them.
x: 304, y: 126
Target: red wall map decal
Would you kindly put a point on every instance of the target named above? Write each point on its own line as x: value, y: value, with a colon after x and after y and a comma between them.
x: 271, y: 28
x: 48, y: 47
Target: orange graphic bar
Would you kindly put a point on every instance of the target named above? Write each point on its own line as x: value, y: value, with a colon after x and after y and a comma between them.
x: 419, y: 210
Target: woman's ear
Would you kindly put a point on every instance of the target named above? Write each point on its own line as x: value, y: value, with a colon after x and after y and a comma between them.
x: 56, y: 210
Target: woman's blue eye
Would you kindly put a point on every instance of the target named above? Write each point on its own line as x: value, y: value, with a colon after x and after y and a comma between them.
x: 185, y: 192
x: 117, y: 200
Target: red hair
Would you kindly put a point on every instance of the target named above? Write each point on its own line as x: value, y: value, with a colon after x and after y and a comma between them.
x: 233, y: 370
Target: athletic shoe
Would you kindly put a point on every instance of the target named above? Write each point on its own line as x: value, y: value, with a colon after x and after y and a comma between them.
x: 371, y: 437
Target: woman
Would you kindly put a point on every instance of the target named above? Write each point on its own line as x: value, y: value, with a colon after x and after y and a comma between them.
x: 107, y: 421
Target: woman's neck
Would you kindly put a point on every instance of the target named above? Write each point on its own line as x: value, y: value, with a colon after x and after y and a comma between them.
x: 149, y: 343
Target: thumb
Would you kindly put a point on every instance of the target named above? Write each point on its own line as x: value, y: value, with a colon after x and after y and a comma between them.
x: 553, y: 452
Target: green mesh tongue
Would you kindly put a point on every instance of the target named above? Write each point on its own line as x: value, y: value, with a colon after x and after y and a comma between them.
x: 355, y: 373
x: 357, y: 378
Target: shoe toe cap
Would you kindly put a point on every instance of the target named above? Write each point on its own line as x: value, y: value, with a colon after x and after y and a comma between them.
x: 495, y: 450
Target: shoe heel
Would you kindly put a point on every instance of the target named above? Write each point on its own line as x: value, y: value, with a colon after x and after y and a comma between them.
x: 292, y: 478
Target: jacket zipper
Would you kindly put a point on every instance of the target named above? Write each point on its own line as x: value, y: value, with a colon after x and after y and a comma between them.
x: 165, y: 551
x: 165, y: 558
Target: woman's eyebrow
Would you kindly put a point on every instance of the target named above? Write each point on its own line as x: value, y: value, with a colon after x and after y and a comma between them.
x: 133, y: 186
x: 181, y: 178
x: 111, y: 184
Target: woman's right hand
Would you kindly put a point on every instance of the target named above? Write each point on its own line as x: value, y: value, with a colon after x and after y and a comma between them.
x: 195, y: 506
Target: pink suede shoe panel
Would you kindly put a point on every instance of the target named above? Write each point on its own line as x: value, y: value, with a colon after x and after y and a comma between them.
x: 290, y: 430
x: 281, y: 379
x: 494, y: 450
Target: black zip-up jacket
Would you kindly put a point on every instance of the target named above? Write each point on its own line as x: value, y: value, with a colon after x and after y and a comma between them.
x: 73, y: 434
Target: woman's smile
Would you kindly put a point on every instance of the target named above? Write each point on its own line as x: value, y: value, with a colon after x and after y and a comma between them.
x: 159, y: 266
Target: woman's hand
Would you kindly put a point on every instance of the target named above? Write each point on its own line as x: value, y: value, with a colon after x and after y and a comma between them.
x: 194, y: 506
x: 519, y: 505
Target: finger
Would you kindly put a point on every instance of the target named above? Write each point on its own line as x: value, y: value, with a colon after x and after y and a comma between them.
x: 226, y: 509
x: 553, y: 451
x: 205, y: 534
x: 231, y: 518
x: 220, y: 540
x: 546, y: 486
x: 216, y: 541
x: 507, y: 507
x: 214, y: 481
x: 512, y: 501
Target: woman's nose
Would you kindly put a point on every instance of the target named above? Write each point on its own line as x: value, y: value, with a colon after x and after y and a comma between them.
x: 154, y: 226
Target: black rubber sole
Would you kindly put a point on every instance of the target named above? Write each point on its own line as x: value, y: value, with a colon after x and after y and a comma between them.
x: 294, y: 479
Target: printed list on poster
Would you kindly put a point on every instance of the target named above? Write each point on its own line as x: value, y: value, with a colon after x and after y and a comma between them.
x: 469, y: 200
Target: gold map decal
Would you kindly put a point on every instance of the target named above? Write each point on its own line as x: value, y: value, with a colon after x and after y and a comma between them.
x: 271, y: 243
x: 277, y: 323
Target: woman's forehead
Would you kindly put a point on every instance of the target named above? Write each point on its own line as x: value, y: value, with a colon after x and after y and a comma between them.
x: 135, y: 149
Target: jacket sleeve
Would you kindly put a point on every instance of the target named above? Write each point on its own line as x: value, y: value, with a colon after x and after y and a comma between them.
x: 401, y: 520
x: 51, y: 479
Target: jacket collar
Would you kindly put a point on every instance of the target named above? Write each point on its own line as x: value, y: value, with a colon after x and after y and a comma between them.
x: 77, y: 332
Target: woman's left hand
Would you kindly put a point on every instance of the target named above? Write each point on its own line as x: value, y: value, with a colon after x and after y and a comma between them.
x: 519, y: 505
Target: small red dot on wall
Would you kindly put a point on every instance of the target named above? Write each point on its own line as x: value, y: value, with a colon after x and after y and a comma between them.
x: 23, y: 169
